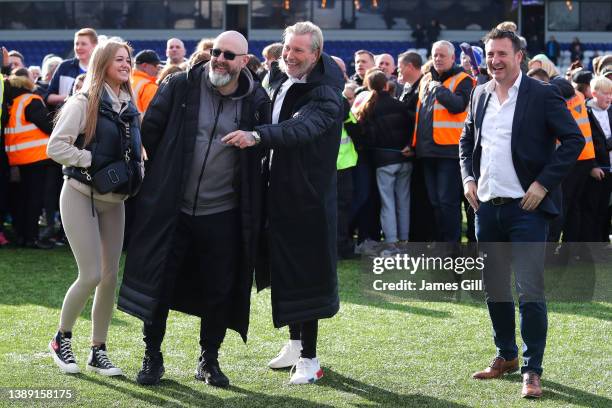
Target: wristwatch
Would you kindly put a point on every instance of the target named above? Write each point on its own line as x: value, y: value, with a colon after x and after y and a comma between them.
x: 256, y: 136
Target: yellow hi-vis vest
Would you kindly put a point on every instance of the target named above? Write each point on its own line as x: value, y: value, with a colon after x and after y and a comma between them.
x: 577, y: 107
x: 447, y: 127
x: 24, y: 142
x: 347, y: 155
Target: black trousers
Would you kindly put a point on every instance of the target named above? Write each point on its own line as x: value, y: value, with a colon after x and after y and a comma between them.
x: 594, y: 210
x: 421, y: 212
x: 29, y: 200
x: 53, y: 188
x: 216, y: 241
x: 573, y: 190
x: 307, y: 332
x: 345, y: 197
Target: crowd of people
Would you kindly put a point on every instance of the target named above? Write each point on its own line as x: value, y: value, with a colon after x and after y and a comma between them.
x: 399, y: 158
x: 428, y: 209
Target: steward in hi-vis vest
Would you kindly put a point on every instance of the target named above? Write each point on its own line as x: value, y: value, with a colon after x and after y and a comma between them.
x: 444, y: 94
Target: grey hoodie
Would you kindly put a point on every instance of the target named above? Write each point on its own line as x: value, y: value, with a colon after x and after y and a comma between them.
x: 211, y: 183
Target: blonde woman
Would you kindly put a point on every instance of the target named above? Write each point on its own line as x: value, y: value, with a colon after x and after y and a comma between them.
x: 97, y: 130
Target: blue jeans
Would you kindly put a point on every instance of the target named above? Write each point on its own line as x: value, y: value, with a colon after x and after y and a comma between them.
x: 445, y: 191
x: 527, y: 231
x: 394, y: 187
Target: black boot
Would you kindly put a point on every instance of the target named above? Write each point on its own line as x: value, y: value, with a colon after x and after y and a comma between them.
x: 152, y: 368
x: 210, y: 372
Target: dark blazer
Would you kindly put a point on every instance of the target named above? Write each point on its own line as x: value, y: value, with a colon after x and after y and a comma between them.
x: 541, y: 117
x: 601, y: 144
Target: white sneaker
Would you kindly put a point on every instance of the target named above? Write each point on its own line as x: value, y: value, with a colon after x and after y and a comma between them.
x: 307, y: 371
x: 288, y: 356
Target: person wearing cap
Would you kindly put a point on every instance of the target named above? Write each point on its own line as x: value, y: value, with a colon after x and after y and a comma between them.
x: 144, y: 77
x: 465, y: 59
x: 582, y: 82
x: 482, y: 76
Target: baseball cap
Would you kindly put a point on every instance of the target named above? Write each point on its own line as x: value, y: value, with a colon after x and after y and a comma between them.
x: 147, y: 57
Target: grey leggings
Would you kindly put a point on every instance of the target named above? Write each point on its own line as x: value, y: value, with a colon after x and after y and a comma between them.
x: 96, y: 243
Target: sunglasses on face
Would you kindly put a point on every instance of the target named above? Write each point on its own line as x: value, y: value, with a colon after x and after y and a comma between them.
x: 228, y: 55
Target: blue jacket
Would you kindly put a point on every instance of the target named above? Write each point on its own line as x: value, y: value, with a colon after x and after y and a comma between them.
x: 68, y: 68
x: 541, y: 116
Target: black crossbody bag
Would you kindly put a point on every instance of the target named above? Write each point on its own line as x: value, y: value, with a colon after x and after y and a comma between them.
x: 122, y: 176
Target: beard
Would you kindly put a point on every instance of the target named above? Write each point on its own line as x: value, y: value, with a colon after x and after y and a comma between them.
x: 218, y: 79
x: 301, y: 69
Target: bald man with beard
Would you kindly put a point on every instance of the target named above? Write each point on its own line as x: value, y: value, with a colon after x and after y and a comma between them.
x: 197, y: 221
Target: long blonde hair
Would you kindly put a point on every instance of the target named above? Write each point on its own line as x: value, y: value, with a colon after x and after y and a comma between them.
x: 101, y: 58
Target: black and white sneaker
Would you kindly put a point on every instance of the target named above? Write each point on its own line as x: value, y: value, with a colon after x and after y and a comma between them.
x: 98, y: 362
x: 61, y: 350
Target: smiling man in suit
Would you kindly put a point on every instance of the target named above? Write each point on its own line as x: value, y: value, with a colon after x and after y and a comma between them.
x: 511, y: 172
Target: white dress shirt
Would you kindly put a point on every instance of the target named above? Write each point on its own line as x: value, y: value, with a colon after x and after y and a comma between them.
x: 280, y: 96
x: 497, y: 175
x: 278, y: 102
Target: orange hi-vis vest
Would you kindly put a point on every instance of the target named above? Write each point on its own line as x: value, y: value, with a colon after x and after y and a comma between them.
x: 577, y: 107
x: 24, y: 142
x: 447, y: 127
x: 143, y: 93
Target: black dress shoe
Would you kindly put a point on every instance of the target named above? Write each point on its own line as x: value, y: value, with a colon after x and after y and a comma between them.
x: 152, y: 369
x: 210, y: 373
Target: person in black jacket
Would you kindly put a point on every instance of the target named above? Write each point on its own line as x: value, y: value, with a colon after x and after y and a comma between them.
x: 386, y: 124
x: 195, y: 229
x: 305, y: 134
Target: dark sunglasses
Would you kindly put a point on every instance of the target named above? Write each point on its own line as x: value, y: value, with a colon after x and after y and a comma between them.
x: 228, y: 55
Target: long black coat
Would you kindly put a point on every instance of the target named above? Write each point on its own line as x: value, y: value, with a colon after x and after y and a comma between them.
x: 169, y: 133
x: 301, y: 199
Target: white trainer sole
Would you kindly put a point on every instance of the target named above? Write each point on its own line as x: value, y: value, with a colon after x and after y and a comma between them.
x: 275, y: 365
x: 105, y: 372
x: 66, y: 368
x: 301, y: 381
